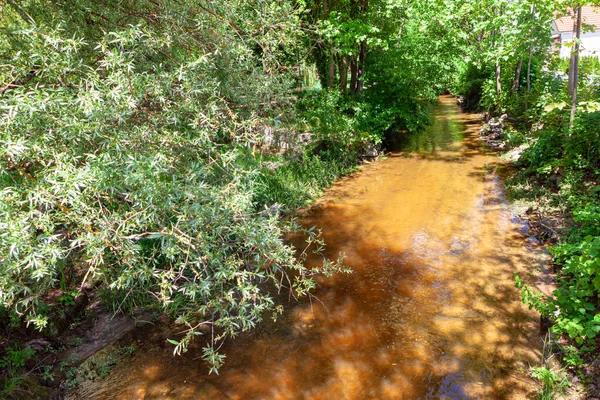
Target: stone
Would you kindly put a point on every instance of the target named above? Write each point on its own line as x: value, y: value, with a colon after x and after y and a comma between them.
x: 370, y: 152
x: 37, y: 344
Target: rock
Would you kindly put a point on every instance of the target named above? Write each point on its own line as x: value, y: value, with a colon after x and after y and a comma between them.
x: 515, y: 153
x: 37, y: 344
x: 492, y: 131
x: 496, y: 136
x: 283, y: 139
x: 370, y: 152
x: 496, y: 124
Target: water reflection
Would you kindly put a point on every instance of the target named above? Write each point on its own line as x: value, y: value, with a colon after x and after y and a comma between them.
x: 430, y: 311
x: 441, y: 134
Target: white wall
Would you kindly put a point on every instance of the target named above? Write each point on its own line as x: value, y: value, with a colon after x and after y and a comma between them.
x: 590, y: 44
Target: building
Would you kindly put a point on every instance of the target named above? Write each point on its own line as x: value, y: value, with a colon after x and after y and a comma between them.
x: 562, y: 32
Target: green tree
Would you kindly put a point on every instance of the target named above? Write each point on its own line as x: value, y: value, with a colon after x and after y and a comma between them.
x: 125, y: 130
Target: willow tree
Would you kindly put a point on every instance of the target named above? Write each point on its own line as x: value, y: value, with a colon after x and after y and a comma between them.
x: 123, y: 135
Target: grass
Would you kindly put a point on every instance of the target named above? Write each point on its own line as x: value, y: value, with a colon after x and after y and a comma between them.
x: 294, y: 181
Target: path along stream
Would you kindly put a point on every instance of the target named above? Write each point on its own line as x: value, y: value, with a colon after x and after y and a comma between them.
x: 430, y: 312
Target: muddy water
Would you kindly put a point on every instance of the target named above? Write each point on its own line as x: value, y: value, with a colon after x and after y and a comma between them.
x: 430, y: 312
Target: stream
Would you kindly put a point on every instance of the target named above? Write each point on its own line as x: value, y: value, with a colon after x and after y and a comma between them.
x: 430, y: 312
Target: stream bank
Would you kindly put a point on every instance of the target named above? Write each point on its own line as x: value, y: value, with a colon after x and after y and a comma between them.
x: 430, y: 311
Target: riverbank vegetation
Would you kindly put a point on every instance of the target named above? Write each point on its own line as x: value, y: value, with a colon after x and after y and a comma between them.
x: 150, y: 150
x: 553, y: 105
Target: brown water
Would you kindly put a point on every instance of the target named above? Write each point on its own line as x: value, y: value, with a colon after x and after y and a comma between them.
x: 430, y: 312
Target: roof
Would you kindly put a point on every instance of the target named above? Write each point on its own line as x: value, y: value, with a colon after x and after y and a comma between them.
x: 590, y: 16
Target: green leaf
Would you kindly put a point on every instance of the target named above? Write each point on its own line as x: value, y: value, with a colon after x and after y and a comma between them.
x: 555, y: 106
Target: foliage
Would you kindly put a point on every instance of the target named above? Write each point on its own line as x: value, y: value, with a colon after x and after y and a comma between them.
x: 295, y: 183
x: 131, y: 134
x: 16, y: 357
x: 470, y: 84
x: 577, y: 295
x: 574, y: 305
x: 131, y: 174
x: 553, y: 383
x: 512, y: 70
x: 12, y: 363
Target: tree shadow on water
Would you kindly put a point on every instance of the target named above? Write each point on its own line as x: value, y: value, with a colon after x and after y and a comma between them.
x: 430, y: 311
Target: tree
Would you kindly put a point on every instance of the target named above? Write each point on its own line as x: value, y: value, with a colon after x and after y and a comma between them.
x: 132, y: 177
x: 574, y: 63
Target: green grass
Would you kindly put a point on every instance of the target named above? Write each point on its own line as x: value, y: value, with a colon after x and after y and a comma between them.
x: 295, y: 181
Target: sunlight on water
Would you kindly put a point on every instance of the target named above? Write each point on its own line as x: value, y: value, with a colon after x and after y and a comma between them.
x: 431, y: 311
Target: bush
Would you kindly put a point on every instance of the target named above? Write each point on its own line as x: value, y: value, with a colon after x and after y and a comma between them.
x: 470, y: 83
x: 122, y: 166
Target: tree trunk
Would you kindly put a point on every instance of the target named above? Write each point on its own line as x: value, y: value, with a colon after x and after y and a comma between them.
x: 331, y: 80
x: 320, y: 11
x: 353, y: 74
x: 574, y: 66
x: 498, y: 79
x: 362, y: 55
x: 529, y: 68
x: 320, y: 55
x: 517, y: 76
x: 343, y: 74
x: 532, y: 11
x: 361, y: 67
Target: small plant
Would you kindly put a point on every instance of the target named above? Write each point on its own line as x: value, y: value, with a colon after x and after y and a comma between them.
x: 126, y: 350
x: 72, y: 380
x: 552, y: 383
x: 573, y: 308
x: 103, y: 368
x: 67, y: 299
x: 572, y: 356
x: 16, y: 358
x: 63, y: 365
x: 76, y: 322
x: 12, y: 363
x: 48, y: 374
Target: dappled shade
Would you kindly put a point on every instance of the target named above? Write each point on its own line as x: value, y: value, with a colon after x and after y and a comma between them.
x: 431, y: 310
